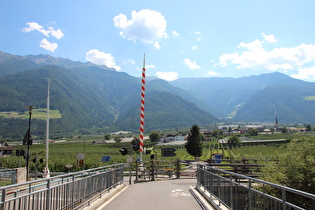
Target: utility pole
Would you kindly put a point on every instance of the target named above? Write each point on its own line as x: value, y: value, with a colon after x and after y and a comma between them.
x: 28, y: 142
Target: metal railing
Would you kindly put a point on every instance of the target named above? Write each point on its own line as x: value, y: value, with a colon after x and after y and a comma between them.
x: 68, y: 191
x: 225, y: 189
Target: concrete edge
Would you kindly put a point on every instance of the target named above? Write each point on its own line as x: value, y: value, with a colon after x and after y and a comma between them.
x: 100, y: 202
x: 203, y: 203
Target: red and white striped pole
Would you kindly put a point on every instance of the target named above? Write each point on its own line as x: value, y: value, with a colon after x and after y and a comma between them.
x: 142, y: 109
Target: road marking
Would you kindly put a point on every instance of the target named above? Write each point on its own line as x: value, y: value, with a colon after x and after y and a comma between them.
x: 179, y: 192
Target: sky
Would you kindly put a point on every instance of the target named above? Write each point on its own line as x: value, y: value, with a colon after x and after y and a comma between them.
x: 180, y: 38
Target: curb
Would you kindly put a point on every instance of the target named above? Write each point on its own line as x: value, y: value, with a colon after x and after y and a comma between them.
x: 100, y: 202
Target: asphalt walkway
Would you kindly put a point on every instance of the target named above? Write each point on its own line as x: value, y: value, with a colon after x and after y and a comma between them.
x: 157, y: 195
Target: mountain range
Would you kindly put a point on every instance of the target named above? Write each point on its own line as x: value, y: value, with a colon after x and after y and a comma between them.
x: 95, y: 97
x: 256, y: 98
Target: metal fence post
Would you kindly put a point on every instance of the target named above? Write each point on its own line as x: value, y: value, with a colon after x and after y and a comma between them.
x: 178, y: 169
x: 152, y: 170
x: 4, y: 192
x: 48, y: 195
x: 231, y: 191
x: 250, y: 194
x: 136, y: 171
x: 283, y: 196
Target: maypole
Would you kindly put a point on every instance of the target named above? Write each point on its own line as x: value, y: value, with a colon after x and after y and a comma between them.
x: 142, y: 109
x: 46, y: 170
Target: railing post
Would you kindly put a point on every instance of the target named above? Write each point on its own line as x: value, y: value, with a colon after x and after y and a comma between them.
x: 136, y: 171
x: 231, y: 192
x: 283, y: 197
x: 250, y: 196
x: 4, y: 192
x: 219, y: 186
x: 178, y: 169
x: 48, y: 195
x: 152, y: 170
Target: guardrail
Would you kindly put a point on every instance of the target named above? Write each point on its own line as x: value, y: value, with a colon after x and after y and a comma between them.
x: 234, y: 191
x: 68, y: 191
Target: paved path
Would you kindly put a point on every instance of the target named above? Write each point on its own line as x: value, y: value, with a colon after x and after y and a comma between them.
x: 157, y: 195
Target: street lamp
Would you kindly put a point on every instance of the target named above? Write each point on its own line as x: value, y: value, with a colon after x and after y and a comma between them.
x: 28, y: 141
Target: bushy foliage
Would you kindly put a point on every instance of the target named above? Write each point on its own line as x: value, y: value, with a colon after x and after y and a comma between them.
x: 296, y: 167
x: 107, y: 136
x: 194, y: 144
x: 253, y: 132
x: 233, y: 141
x: 154, y: 136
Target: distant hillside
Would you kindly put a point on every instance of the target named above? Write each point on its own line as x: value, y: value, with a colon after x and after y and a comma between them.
x: 176, y: 113
x: 287, y: 101
x: 91, y: 97
x: 254, y: 98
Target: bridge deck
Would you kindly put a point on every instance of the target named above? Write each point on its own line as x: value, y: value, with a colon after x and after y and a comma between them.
x: 169, y: 194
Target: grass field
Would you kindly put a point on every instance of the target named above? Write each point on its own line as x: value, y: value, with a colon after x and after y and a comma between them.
x: 36, y: 114
x: 309, y: 98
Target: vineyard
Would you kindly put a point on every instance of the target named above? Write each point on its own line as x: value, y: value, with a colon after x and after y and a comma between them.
x: 65, y: 153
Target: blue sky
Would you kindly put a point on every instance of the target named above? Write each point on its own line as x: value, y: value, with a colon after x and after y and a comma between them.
x: 201, y: 38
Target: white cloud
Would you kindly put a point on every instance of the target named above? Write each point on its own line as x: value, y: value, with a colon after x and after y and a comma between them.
x: 213, y: 74
x: 255, y: 45
x: 145, y: 25
x: 56, y: 33
x: 191, y: 64
x: 149, y: 66
x: 256, y: 57
x: 100, y: 58
x: 48, y: 45
x: 31, y: 26
x: 156, y: 45
x: 305, y: 74
x: 195, y: 47
x: 129, y: 61
x: 269, y: 38
x: 175, y: 33
x: 198, y: 35
x: 169, y: 76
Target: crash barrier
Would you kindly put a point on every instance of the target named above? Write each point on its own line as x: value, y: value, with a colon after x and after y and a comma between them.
x: 234, y: 191
x: 68, y: 191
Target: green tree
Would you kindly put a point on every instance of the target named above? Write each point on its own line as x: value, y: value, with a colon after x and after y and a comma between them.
x: 194, y: 145
x: 296, y: 167
x: 215, y: 133
x: 154, y: 136
x: 107, y: 136
x: 308, y: 128
x: 284, y: 129
x: 233, y: 141
x: 118, y: 139
x: 253, y: 132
